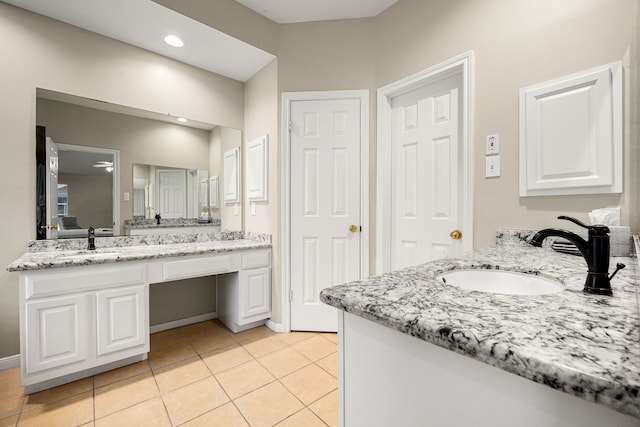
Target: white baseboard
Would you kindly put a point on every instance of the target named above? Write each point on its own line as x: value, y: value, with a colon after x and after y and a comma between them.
x: 9, y: 362
x: 276, y: 327
x: 182, y: 322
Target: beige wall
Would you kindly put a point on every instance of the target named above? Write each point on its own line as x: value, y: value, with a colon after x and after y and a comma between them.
x: 261, y: 118
x: 52, y: 55
x: 90, y: 199
x: 516, y: 43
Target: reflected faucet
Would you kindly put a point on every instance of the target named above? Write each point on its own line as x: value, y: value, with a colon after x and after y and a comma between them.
x: 92, y: 239
x: 158, y: 218
x: 595, y: 252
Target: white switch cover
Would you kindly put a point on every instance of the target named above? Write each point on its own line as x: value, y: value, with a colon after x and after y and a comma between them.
x: 125, y: 196
x: 493, y: 144
x: 492, y: 164
x: 253, y: 208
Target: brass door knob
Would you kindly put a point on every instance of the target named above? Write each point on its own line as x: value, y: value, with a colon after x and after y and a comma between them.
x: 455, y: 234
x: 353, y: 228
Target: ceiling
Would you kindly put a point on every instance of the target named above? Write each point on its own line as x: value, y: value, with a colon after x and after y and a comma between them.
x: 290, y: 11
x: 142, y: 23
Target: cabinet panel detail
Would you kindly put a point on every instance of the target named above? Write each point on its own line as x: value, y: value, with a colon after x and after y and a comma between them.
x: 255, y: 293
x: 121, y: 315
x: 51, y: 282
x: 56, y: 328
x: 256, y: 259
x: 197, y: 267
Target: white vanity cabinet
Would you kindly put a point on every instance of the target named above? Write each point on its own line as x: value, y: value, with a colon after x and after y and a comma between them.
x: 81, y: 318
x: 244, y: 300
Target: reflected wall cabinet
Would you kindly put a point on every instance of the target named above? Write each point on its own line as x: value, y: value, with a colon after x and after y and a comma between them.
x: 571, y: 134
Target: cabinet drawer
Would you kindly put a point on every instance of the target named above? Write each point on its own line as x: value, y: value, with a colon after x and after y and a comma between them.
x: 197, y: 267
x: 256, y: 259
x: 53, y: 282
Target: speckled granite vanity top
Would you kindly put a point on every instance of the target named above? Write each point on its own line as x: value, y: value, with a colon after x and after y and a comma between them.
x: 584, y: 345
x: 44, y: 254
x: 132, y: 224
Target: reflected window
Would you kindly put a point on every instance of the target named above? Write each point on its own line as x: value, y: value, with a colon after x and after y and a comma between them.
x: 63, y: 200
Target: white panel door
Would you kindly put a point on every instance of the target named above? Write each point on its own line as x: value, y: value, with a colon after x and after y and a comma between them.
x: 57, y: 331
x: 121, y: 315
x: 325, y: 203
x: 425, y: 173
x: 172, y: 193
x: 52, y: 188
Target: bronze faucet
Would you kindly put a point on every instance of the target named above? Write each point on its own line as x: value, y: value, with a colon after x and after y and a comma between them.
x: 595, y: 252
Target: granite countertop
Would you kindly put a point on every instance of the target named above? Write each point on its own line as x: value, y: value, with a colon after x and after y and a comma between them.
x: 132, y: 224
x: 138, y: 248
x: 584, y: 345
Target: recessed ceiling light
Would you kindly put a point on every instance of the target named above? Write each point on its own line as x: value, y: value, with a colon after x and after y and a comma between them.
x: 182, y: 120
x: 172, y: 40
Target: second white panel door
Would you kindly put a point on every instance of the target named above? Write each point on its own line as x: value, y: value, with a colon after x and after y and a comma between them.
x: 325, y: 206
x: 425, y: 173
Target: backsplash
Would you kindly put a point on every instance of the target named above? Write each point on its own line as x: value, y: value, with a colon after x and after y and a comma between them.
x: 520, y: 237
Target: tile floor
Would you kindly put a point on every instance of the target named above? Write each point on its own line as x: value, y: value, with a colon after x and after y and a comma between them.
x: 197, y: 375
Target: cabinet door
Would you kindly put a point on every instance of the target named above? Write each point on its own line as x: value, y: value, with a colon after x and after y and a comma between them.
x: 255, y: 294
x: 121, y: 315
x: 57, y: 332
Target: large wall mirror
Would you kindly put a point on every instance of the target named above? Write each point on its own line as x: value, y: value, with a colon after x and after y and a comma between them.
x: 112, y: 161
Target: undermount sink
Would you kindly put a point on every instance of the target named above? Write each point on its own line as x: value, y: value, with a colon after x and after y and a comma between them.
x: 501, y: 282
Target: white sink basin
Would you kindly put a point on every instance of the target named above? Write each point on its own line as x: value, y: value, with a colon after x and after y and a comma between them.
x: 501, y: 282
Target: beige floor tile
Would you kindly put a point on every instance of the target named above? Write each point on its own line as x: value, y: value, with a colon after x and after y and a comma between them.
x: 225, y: 416
x: 72, y: 411
x: 331, y: 336
x: 283, y: 362
x: 244, y: 378
x: 193, y: 400
x: 9, y: 421
x: 329, y: 364
x: 168, y: 337
x: 226, y: 358
x: 327, y: 408
x: 89, y: 424
x: 206, y: 343
x: 268, y: 405
x: 185, y: 372
x: 310, y: 383
x: 316, y: 348
x: 171, y: 354
x: 120, y: 374
x: 304, y: 418
x: 57, y: 393
x: 11, y: 401
x: 295, y: 337
x: 149, y: 413
x: 123, y: 394
x: 201, y: 328
x: 264, y: 345
x: 253, y: 334
x: 10, y: 378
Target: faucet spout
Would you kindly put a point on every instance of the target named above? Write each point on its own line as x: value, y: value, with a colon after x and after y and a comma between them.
x: 595, y: 252
x: 91, y: 237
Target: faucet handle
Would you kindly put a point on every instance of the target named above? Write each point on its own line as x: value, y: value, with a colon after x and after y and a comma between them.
x: 575, y: 221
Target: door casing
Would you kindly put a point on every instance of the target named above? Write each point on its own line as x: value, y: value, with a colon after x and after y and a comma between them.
x: 460, y: 64
x: 287, y: 98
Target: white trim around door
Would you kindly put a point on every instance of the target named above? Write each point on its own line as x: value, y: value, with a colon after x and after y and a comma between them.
x: 460, y: 64
x: 287, y: 99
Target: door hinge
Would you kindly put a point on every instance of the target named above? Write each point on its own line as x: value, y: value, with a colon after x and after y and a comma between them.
x: 290, y: 125
x: 290, y: 295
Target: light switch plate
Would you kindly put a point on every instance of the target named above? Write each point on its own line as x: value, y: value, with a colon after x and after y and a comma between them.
x: 125, y: 196
x: 492, y: 144
x: 492, y: 164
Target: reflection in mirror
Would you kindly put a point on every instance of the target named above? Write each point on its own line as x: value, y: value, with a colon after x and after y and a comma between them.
x: 141, y: 138
x: 170, y: 192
